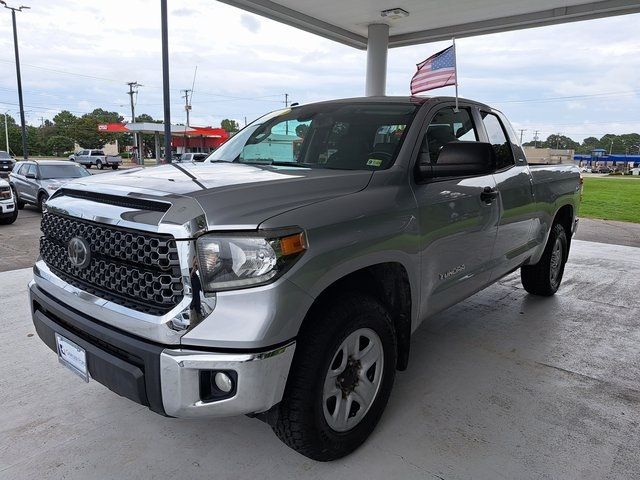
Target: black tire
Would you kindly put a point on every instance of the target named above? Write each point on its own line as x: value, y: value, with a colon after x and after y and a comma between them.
x: 544, y: 277
x: 11, y: 219
x: 114, y: 167
x: 88, y: 166
x: 19, y: 203
x: 99, y: 164
x: 301, y: 422
x: 42, y: 197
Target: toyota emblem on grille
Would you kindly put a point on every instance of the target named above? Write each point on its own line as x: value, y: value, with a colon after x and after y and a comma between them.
x: 79, y: 252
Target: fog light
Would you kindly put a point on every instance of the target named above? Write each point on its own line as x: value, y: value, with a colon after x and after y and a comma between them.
x: 223, y: 382
x: 217, y: 384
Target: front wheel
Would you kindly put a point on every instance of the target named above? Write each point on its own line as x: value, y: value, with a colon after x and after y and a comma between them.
x: 544, y: 277
x: 340, y: 380
x: 19, y: 203
x: 99, y: 164
x: 11, y: 219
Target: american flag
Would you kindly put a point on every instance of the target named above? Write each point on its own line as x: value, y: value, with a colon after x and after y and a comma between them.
x: 436, y: 71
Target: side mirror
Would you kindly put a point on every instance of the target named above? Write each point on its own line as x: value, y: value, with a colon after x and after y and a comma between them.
x: 461, y: 159
x: 31, y: 175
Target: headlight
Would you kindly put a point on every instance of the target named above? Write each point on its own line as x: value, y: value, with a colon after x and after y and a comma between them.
x: 53, y: 186
x: 232, y: 261
x: 5, y: 193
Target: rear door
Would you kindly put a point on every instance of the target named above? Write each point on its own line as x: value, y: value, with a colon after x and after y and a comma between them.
x: 515, y: 240
x: 30, y: 188
x: 458, y: 225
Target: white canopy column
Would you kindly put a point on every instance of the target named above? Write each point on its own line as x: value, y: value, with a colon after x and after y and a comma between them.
x: 377, y: 49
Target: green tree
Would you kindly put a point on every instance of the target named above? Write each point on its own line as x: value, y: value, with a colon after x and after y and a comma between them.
x: 59, y: 144
x: 229, y: 125
x: 65, y: 123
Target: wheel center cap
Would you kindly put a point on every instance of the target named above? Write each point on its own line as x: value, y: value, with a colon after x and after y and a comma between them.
x: 348, y: 379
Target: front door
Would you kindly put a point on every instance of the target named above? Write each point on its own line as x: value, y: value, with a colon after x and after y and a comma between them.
x: 458, y: 224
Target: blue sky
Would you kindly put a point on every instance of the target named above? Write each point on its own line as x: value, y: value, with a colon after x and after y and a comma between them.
x: 78, y: 55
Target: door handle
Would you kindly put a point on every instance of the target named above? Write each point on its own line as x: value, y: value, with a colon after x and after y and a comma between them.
x: 488, y: 194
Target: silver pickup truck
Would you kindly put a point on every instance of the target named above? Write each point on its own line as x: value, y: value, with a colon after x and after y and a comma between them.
x: 89, y: 158
x: 284, y: 277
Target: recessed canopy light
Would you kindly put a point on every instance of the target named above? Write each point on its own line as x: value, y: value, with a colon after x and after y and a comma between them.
x: 394, y: 13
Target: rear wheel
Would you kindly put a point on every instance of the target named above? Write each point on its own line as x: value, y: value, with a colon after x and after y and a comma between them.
x: 42, y: 197
x: 114, y: 167
x: 544, y: 278
x: 340, y: 380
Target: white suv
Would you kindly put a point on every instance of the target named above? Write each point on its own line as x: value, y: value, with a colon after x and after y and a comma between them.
x: 8, y: 207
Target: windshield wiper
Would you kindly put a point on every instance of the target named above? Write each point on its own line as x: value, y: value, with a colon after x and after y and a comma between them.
x: 275, y: 163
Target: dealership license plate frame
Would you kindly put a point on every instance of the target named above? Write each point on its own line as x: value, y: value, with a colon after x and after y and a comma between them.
x: 72, y: 356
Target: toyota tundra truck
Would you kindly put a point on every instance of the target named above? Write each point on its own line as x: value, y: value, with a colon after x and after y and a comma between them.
x: 284, y: 277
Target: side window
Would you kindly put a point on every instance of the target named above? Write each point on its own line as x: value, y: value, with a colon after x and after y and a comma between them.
x: 23, y: 169
x: 32, y: 169
x: 446, y: 126
x: 498, y: 138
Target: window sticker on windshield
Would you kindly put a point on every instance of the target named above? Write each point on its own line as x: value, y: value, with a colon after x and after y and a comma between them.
x: 374, y: 162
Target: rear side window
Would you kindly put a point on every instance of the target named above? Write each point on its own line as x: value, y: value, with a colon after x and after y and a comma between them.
x: 446, y: 126
x: 498, y: 138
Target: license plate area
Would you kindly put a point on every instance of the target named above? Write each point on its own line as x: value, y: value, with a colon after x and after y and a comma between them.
x: 72, y: 356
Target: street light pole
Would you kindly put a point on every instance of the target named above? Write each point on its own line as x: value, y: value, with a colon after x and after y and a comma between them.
x: 165, y: 81
x: 23, y: 126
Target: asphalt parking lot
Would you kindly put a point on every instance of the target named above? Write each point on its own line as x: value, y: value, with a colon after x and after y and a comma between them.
x: 503, y: 385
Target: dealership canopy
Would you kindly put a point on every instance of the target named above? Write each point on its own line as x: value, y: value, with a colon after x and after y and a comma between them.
x: 379, y: 25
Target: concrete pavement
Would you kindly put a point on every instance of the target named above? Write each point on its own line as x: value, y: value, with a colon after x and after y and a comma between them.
x: 503, y: 385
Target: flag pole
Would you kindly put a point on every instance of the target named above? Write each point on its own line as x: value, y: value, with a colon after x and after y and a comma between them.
x: 455, y: 66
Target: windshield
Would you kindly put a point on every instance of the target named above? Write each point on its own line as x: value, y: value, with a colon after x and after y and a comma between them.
x: 50, y: 172
x: 4, y: 155
x: 359, y: 136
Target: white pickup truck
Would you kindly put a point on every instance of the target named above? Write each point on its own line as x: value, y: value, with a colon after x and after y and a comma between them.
x: 90, y: 157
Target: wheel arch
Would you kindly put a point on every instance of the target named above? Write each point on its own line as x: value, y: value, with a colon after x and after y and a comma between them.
x: 388, y: 282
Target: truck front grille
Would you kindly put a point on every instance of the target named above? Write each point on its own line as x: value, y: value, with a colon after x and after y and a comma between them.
x: 135, y: 269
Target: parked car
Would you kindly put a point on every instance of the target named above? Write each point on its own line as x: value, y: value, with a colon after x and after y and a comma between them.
x: 89, y: 158
x: 6, y: 164
x: 287, y: 286
x: 34, y: 182
x: 193, y: 157
x: 8, y: 207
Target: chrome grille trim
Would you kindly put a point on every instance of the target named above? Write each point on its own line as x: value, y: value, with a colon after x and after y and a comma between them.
x: 134, y: 269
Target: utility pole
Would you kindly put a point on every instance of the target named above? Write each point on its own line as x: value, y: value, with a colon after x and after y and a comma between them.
x: 245, y: 121
x: 23, y: 126
x: 187, y: 105
x: 522, y: 130
x: 166, y: 95
x: 535, y: 138
x: 611, y: 147
x: 286, y: 104
x: 133, y: 90
x: 557, y: 140
x: 6, y: 131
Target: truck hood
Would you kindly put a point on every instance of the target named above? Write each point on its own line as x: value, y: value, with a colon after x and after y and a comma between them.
x: 230, y: 195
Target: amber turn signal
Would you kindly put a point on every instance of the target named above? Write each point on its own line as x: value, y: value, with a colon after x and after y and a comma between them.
x: 293, y: 244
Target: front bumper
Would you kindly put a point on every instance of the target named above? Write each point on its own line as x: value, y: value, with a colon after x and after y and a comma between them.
x: 7, y: 208
x: 165, y: 379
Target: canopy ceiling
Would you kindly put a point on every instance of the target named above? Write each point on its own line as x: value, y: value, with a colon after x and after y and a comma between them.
x: 346, y: 21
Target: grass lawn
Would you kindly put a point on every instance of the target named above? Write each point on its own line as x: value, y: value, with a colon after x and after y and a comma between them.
x: 611, y: 198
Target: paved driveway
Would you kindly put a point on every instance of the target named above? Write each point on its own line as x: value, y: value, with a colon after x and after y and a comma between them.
x: 503, y: 385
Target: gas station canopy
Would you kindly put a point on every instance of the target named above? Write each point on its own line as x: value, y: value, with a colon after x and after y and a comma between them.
x: 347, y: 21
x: 377, y: 25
